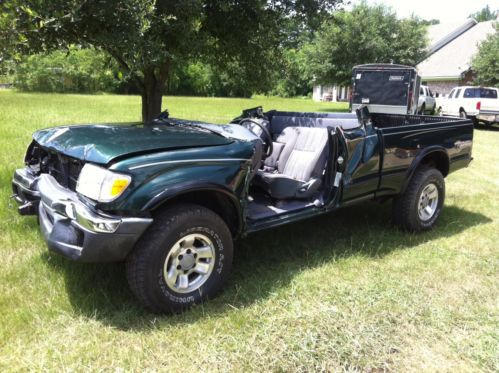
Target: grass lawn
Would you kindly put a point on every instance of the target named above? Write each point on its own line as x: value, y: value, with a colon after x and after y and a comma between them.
x: 339, y: 292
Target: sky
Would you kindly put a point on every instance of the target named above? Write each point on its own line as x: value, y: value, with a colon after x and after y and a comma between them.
x: 444, y: 10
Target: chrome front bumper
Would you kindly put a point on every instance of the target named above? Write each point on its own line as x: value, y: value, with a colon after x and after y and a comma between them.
x: 72, y: 228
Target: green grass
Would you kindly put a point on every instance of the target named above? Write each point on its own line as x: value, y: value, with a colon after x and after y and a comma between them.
x: 339, y: 292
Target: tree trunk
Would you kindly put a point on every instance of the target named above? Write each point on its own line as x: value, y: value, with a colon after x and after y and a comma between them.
x: 152, y: 91
x: 151, y: 102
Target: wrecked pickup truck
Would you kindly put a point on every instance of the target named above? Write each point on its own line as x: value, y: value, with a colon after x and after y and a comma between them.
x: 169, y: 197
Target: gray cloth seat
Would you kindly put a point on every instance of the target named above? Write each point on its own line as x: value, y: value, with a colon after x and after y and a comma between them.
x: 282, y: 145
x: 346, y: 121
x: 296, y: 170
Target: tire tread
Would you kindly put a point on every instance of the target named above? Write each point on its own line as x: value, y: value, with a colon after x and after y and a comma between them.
x: 402, y: 211
x: 137, y: 261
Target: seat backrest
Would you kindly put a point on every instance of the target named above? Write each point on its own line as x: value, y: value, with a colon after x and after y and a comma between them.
x: 346, y: 121
x: 306, y: 157
x: 283, y: 145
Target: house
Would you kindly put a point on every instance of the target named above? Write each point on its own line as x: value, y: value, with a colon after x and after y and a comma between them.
x: 330, y: 93
x: 447, y: 64
x: 452, y: 47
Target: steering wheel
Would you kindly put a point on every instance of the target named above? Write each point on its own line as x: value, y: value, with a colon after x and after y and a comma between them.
x: 267, y: 142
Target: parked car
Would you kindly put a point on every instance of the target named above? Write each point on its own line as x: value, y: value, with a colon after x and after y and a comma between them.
x: 385, y: 88
x: 476, y: 103
x: 169, y: 197
x: 426, y: 101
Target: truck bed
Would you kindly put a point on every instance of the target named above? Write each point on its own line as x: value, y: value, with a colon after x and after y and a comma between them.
x: 398, y: 120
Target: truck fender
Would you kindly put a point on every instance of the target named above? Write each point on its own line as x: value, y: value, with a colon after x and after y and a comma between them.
x: 435, y: 154
x: 214, y: 196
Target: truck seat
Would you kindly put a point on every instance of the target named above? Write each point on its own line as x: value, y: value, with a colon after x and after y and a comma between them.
x: 295, y: 168
x: 346, y: 121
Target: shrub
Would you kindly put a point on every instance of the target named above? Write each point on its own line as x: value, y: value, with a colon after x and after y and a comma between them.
x: 77, y: 70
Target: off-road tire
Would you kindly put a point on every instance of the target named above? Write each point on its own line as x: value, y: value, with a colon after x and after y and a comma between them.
x: 405, y: 206
x: 145, y: 265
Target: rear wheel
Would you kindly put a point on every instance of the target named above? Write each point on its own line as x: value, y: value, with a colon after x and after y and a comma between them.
x: 423, y: 108
x: 184, y: 258
x: 418, y: 208
x: 440, y: 112
x: 463, y: 115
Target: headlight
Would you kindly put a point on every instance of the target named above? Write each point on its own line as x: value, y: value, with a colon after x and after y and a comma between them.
x: 100, y: 184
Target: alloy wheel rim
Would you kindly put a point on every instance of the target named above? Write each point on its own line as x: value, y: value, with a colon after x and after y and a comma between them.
x: 189, y: 263
x: 428, y: 202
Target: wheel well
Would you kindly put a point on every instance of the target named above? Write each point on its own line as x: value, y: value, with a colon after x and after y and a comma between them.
x: 461, y: 110
x: 438, y: 159
x: 218, y: 202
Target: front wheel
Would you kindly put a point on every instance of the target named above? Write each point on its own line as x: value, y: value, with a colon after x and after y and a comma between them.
x: 418, y: 208
x: 184, y: 258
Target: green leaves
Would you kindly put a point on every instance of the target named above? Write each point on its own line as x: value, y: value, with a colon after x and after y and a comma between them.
x: 486, y: 62
x: 76, y: 70
x: 241, y: 39
x: 485, y: 14
x: 367, y: 34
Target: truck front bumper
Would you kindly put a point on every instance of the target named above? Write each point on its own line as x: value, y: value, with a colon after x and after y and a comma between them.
x: 72, y: 228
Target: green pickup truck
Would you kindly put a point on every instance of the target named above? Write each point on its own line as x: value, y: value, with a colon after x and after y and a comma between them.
x: 169, y: 197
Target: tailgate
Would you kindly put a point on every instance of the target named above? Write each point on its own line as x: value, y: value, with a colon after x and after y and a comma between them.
x: 489, y: 110
x: 489, y: 105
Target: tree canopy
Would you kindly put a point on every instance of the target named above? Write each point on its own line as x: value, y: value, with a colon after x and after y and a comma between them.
x: 485, y: 14
x: 148, y: 37
x: 486, y: 62
x: 367, y: 34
